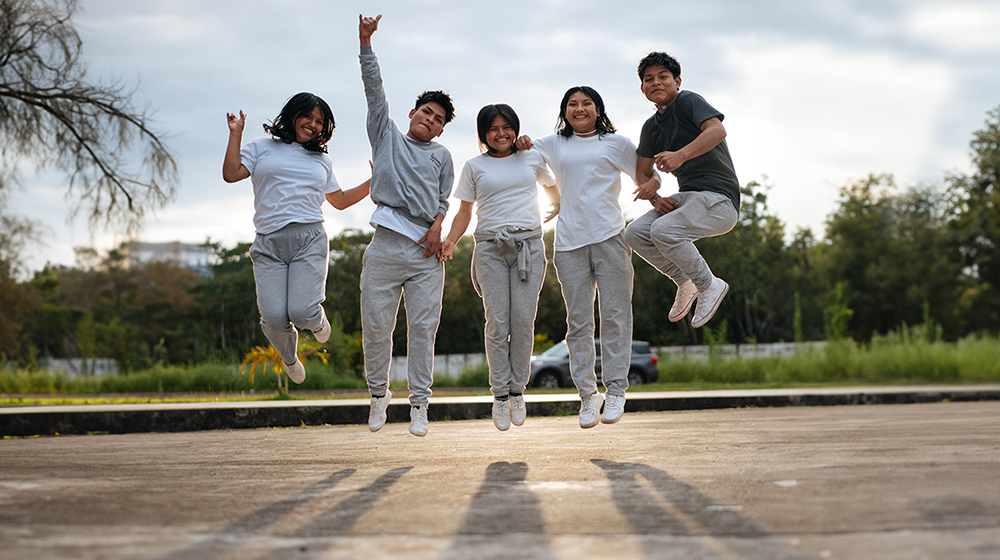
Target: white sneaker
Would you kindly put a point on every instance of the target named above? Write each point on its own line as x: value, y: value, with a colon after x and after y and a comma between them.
x: 709, y: 301
x: 501, y: 414
x: 323, y: 334
x: 686, y: 293
x: 296, y: 372
x: 518, y: 411
x: 590, y: 410
x: 418, y: 420
x: 614, y: 407
x: 377, y: 415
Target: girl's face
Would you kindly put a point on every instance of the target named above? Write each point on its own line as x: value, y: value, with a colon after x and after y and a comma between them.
x: 308, y: 126
x: 581, y: 112
x: 500, y: 137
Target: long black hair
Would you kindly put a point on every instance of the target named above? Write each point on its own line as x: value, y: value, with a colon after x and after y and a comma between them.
x: 485, y: 120
x: 283, y: 126
x: 604, y: 125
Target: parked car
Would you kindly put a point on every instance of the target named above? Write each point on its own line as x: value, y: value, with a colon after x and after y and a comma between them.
x: 550, y: 369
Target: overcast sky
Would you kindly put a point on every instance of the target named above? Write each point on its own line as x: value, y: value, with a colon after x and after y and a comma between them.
x: 815, y: 94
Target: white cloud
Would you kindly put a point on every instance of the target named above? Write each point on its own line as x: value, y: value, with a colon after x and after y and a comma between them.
x: 969, y: 26
x: 812, y: 116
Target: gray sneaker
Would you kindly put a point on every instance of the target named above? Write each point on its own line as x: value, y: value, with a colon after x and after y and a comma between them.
x: 614, y: 407
x: 518, y: 411
x: 323, y: 334
x: 377, y: 415
x: 709, y: 301
x: 686, y: 293
x: 418, y: 420
x: 590, y: 410
x: 501, y: 414
x: 296, y: 372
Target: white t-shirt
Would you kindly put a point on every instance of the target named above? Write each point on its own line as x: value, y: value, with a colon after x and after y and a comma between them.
x: 589, y: 173
x: 290, y: 183
x: 504, y: 190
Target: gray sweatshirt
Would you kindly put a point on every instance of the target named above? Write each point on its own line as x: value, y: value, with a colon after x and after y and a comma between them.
x: 414, y: 178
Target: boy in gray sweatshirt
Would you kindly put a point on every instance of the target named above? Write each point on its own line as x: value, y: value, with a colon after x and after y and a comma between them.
x: 412, y: 178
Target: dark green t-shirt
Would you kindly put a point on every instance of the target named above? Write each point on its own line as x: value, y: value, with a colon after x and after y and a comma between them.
x: 677, y: 127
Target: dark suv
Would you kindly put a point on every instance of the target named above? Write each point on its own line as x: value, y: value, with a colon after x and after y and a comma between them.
x: 550, y: 369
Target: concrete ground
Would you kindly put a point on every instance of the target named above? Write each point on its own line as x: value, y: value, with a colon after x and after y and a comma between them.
x: 906, y: 481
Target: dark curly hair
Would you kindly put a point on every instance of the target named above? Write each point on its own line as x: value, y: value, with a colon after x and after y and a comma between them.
x: 604, y: 125
x: 661, y: 58
x: 485, y: 119
x: 439, y: 97
x: 283, y: 126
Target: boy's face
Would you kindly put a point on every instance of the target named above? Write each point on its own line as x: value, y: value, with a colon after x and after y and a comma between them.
x: 426, y: 122
x: 660, y: 86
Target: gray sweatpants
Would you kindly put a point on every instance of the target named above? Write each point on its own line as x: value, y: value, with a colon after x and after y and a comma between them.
x: 290, y: 268
x: 394, y: 267
x: 667, y: 241
x: 510, y: 304
x: 604, y: 268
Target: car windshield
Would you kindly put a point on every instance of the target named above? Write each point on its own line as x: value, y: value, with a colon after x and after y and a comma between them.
x: 558, y: 351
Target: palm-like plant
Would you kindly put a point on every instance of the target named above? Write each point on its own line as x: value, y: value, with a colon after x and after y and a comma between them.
x: 269, y: 357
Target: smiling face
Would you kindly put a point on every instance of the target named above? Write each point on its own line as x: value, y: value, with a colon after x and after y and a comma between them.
x: 581, y: 113
x: 500, y: 137
x: 660, y: 86
x: 308, y: 126
x: 426, y: 122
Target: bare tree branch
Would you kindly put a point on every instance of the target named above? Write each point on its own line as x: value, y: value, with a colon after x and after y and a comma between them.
x: 52, y: 115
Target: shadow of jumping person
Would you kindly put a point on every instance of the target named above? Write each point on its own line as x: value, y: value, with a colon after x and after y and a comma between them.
x: 503, y: 505
x: 338, y: 520
x: 695, y: 526
x: 238, y: 532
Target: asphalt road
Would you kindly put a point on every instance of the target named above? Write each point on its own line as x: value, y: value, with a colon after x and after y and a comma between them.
x: 853, y: 482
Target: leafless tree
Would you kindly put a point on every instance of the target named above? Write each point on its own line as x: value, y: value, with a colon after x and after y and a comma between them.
x: 53, y: 116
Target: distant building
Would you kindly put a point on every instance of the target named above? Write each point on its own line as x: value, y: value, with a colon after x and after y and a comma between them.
x: 188, y: 255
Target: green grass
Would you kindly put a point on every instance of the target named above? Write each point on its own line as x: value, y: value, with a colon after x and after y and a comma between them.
x: 891, y: 360
x: 887, y: 360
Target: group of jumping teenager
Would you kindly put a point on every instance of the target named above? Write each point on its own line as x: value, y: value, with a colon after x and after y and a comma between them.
x: 580, y: 168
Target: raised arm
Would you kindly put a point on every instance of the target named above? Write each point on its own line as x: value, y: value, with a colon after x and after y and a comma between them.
x: 232, y: 169
x: 371, y: 77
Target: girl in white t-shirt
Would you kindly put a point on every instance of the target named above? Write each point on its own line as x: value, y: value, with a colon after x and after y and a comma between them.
x: 508, y: 263
x: 291, y: 175
x: 591, y: 256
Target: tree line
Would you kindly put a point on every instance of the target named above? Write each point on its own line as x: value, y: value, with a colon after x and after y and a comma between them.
x: 889, y: 256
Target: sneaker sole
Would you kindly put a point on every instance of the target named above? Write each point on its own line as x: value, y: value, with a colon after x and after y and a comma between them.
x: 718, y: 302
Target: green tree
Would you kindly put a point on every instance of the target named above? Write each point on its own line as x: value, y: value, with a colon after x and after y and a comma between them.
x: 974, y: 222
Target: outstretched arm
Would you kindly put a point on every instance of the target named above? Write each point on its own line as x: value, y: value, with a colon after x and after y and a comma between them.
x: 232, y: 169
x: 342, y: 200
x: 458, y: 226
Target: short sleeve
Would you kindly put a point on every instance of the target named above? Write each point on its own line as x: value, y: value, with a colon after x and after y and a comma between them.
x: 542, y: 173
x: 332, y: 184
x: 466, y: 189
x: 248, y: 155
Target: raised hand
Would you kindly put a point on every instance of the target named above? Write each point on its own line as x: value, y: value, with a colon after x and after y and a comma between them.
x: 236, y: 124
x: 367, y: 26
